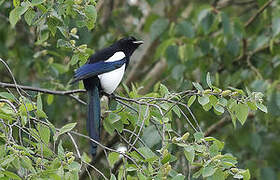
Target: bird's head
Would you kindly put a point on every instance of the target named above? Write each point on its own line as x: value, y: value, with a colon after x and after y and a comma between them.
x: 128, y: 45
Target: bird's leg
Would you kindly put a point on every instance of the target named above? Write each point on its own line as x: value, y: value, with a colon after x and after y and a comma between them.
x: 110, y: 96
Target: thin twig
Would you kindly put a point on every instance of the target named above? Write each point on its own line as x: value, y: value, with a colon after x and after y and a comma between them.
x: 42, y: 90
x: 216, y: 126
x: 252, y: 66
x: 131, y: 145
x: 107, y: 148
x: 127, y: 130
x: 254, y: 17
x: 10, y: 104
x: 75, y: 144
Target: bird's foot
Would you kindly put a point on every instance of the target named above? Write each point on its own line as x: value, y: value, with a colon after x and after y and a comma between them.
x: 110, y: 96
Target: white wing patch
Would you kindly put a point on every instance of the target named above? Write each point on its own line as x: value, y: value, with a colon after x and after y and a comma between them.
x: 109, y: 81
x: 116, y: 57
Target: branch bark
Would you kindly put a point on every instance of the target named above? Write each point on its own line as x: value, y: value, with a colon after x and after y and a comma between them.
x: 215, y: 127
x: 254, y: 17
x: 46, y: 91
x: 153, y: 76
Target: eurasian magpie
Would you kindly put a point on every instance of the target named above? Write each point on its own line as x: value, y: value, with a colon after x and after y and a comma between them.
x: 103, y: 72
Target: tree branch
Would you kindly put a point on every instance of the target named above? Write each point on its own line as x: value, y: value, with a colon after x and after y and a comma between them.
x: 249, y: 22
x: 216, y: 126
x: 46, y: 91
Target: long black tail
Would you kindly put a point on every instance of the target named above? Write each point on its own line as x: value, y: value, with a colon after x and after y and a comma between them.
x: 93, y: 120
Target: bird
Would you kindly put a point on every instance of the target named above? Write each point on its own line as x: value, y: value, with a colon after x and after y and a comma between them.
x: 102, y: 74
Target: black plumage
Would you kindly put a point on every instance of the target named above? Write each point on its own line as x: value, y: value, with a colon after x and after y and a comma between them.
x: 103, y: 72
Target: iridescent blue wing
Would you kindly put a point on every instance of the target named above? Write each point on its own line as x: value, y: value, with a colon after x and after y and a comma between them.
x: 94, y: 69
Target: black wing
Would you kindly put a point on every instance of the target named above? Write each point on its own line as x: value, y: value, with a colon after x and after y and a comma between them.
x: 94, y: 69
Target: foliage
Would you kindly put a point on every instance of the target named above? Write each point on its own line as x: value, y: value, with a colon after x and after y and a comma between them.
x: 173, y: 131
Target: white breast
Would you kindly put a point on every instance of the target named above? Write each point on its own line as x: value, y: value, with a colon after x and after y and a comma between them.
x: 109, y: 81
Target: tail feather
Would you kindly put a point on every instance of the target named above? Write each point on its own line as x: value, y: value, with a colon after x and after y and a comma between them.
x: 93, y: 121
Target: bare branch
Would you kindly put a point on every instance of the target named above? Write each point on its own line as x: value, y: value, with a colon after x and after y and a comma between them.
x: 46, y: 91
x: 215, y: 127
x: 254, y: 17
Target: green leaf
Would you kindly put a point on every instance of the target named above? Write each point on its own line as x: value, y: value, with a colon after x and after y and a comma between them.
x: 7, y: 160
x: 75, y: 59
x: 148, y: 154
x: 41, y: 114
x: 15, y: 14
x: 7, y: 95
x: 50, y: 99
x: 86, y: 158
x: 246, y: 174
x: 60, y: 150
x: 219, y: 175
x: 91, y: 12
x: 113, y: 117
x: 16, y: 3
x: 37, y: 2
x: 27, y: 163
x: 242, y: 112
x: 113, y: 157
x: 208, y: 80
x: 207, y: 106
x: 108, y: 126
x: 256, y: 141
x: 11, y: 175
x: 185, y: 28
x: 53, y: 23
x: 163, y: 90
x: 113, y: 177
x: 158, y: 27
x: 198, y: 173
x: 141, y: 176
x: 60, y: 68
x: 275, y: 26
x: 191, y: 100
x: 261, y: 107
x: 206, y: 19
x: 197, y: 86
x: 118, y: 126
x: 260, y: 41
x: 67, y: 128
x: 208, y: 171
x: 213, y: 100
x: 7, y: 117
x: 27, y: 107
x: 226, y: 23
x: 176, y: 109
x: 29, y: 16
x: 252, y: 105
x: 233, y: 46
x: 203, y: 100
x: 166, y: 158
x: 223, y: 101
x: 214, y: 150
x: 189, y: 153
x: 178, y: 177
x: 198, y: 136
x: 161, y: 49
x: 261, y: 2
x: 63, y: 43
x: 219, y: 108
x: 44, y: 133
x: 42, y: 38
x: 39, y: 102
